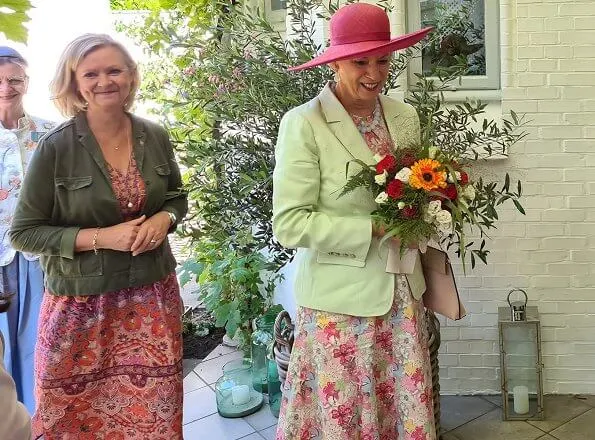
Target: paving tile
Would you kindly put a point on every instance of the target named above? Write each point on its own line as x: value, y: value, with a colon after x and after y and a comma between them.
x: 457, y: 410
x: 188, y: 365
x: 496, y: 399
x: 269, y: 433
x: 192, y: 382
x: 215, y: 427
x: 261, y: 419
x: 558, y: 410
x: 220, y: 350
x: 198, y: 404
x: 579, y: 428
x: 211, y: 370
x: 547, y: 437
x: 254, y: 436
x: 449, y: 436
x: 491, y: 427
x: 589, y: 399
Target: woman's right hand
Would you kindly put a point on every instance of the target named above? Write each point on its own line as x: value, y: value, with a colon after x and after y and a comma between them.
x: 120, y: 237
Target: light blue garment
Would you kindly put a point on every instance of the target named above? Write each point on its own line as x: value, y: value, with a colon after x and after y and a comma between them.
x: 19, y: 323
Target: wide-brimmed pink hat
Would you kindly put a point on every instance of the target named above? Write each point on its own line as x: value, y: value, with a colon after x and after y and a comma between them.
x: 361, y: 29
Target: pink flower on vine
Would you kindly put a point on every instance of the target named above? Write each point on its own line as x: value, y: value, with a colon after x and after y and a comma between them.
x: 4, y: 194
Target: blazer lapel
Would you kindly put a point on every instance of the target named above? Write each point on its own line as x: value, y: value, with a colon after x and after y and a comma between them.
x: 398, y: 124
x: 342, y: 126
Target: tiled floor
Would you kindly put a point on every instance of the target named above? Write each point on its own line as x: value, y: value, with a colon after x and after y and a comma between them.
x: 462, y: 417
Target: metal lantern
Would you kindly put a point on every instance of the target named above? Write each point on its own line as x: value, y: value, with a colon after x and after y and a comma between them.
x: 520, y: 360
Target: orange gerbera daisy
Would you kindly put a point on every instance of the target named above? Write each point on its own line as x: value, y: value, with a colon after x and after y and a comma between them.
x: 425, y: 174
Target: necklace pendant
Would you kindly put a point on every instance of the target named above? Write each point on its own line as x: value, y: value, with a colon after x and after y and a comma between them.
x: 129, y: 204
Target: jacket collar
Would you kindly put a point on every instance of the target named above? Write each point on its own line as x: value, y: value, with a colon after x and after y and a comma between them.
x: 85, y: 136
x: 342, y: 126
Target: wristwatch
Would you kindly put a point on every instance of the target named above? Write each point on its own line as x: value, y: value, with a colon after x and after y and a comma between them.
x: 172, y: 218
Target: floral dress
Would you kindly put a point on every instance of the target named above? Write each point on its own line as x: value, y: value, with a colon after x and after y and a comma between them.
x: 360, y: 378
x: 109, y: 366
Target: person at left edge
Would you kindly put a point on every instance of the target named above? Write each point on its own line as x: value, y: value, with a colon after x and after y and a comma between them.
x: 21, y: 274
x: 102, y: 193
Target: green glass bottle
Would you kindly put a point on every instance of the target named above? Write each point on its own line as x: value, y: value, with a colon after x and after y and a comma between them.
x: 261, y: 343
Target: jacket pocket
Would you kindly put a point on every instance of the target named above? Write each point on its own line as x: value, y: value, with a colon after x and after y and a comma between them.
x: 84, y: 264
x: 338, y: 258
x: 163, y: 169
x: 73, y: 183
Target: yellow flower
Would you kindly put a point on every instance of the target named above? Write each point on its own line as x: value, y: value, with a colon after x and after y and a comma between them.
x: 425, y: 174
x: 409, y: 425
x: 322, y: 321
x: 410, y: 368
x: 408, y: 312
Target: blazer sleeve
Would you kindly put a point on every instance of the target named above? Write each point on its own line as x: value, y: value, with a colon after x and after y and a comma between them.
x: 297, y: 221
x: 31, y: 229
x: 16, y: 422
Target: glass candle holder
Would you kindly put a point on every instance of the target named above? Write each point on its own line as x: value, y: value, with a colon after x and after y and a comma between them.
x: 235, y: 394
x: 261, y: 342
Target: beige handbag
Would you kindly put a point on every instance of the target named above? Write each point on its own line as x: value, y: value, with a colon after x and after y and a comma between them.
x: 442, y: 295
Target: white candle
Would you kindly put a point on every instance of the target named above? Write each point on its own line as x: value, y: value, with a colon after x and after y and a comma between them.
x: 521, y: 399
x: 240, y: 394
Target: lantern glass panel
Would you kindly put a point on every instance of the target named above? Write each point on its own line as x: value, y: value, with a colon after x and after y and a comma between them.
x: 521, y: 367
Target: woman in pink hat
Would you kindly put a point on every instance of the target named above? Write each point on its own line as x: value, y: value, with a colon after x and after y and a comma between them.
x: 360, y: 363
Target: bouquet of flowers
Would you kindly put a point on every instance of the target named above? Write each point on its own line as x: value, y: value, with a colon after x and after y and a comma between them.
x: 425, y: 193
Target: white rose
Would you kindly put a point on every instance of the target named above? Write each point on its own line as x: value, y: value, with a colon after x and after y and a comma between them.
x: 443, y: 217
x: 428, y: 218
x: 378, y: 157
x: 381, y: 198
x: 380, y: 179
x: 432, y: 152
x: 403, y: 175
x: 458, y: 175
x: 401, y: 205
x: 434, y: 207
x: 469, y: 192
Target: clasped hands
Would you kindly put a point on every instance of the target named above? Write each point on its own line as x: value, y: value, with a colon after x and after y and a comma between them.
x: 137, y: 236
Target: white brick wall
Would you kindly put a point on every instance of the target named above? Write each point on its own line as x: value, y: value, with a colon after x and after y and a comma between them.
x: 548, y: 54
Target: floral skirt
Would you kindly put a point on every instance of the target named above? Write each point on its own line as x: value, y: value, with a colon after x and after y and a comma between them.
x: 109, y: 366
x: 356, y: 378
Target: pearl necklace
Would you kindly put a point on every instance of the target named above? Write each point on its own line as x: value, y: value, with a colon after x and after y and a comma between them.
x: 364, y: 124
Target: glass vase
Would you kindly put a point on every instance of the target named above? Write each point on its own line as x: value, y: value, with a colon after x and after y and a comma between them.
x: 261, y: 342
x: 274, y: 387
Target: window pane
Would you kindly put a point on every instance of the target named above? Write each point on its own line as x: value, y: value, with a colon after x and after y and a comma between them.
x: 277, y: 5
x: 459, y: 31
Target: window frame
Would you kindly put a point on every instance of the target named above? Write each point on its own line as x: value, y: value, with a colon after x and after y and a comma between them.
x: 489, y: 81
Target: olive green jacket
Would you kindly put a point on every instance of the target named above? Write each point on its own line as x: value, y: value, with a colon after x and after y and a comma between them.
x: 68, y: 188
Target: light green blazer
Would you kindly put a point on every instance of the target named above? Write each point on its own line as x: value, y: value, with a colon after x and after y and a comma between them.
x: 341, y: 268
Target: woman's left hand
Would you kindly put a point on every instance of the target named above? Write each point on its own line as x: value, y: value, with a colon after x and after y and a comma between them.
x: 151, y: 233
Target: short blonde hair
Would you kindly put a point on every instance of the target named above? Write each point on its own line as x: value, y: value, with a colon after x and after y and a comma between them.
x: 63, y: 87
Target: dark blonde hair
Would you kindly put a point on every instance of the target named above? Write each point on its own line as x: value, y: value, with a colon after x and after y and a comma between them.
x: 63, y: 86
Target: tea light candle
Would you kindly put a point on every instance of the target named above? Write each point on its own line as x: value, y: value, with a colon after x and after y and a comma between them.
x: 521, y: 399
x: 240, y: 394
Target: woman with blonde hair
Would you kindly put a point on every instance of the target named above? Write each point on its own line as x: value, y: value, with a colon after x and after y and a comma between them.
x: 103, y: 192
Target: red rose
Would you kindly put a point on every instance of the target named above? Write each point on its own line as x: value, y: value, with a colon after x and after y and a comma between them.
x: 450, y: 192
x: 464, y: 178
x: 388, y: 164
x: 408, y: 160
x: 409, y: 211
x: 395, y: 189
